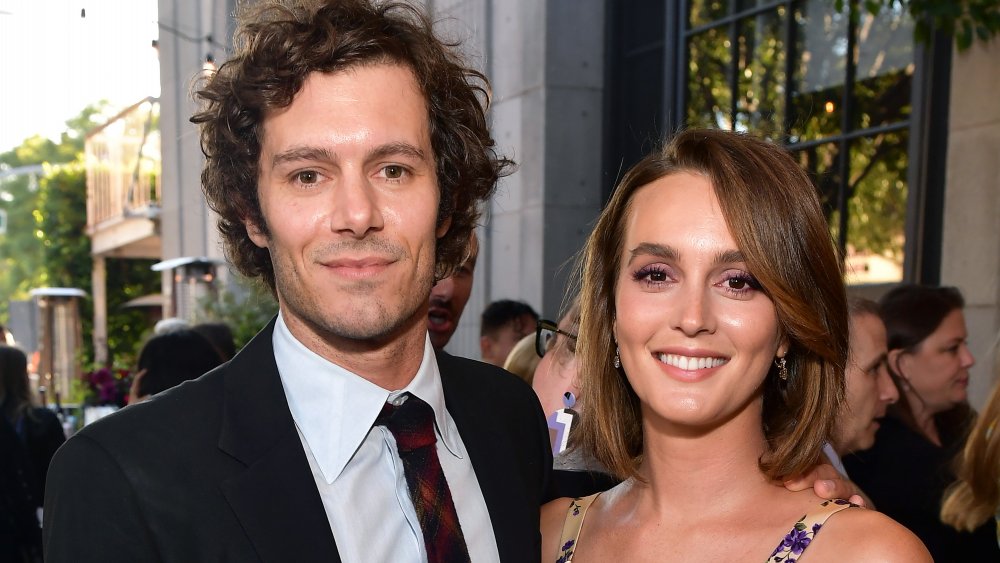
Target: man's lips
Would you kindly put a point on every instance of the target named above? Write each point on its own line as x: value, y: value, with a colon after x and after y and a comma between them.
x: 358, y: 267
x: 439, y: 319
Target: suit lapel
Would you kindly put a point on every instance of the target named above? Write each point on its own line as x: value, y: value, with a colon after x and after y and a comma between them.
x: 275, y: 498
x: 485, y: 446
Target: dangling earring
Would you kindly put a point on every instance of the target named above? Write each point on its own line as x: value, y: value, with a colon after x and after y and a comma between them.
x: 782, y: 368
x: 618, y: 360
x: 569, y: 400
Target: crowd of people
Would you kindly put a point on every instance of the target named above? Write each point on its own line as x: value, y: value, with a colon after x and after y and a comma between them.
x: 709, y: 390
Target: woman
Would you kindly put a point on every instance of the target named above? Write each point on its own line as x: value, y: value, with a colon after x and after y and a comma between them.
x: 29, y: 436
x: 910, y: 465
x: 974, y: 499
x: 522, y: 359
x: 712, y: 344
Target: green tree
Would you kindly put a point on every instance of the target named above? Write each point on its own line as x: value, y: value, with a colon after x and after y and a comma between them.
x: 46, y: 242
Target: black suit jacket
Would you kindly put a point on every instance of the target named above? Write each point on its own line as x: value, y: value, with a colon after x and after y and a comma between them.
x: 214, y: 470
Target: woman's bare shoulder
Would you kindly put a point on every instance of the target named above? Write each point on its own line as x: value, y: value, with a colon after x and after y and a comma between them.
x: 552, y: 519
x: 859, y: 534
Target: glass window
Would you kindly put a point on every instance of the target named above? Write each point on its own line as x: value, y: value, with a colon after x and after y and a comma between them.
x: 835, y: 89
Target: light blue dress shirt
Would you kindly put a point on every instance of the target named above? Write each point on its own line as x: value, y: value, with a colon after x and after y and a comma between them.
x: 357, y: 467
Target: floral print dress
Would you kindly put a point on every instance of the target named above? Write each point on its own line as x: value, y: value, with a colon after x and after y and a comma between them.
x: 788, y: 551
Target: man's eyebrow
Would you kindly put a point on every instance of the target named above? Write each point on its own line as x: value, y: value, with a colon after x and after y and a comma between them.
x: 397, y: 149
x: 301, y: 153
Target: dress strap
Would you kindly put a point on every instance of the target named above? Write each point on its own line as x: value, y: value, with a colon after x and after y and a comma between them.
x: 572, y: 525
x: 805, y: 530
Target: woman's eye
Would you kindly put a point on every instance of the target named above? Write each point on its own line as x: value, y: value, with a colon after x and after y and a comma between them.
x: 740, y: 283
x: 737, y: 283
x: 653, y: 275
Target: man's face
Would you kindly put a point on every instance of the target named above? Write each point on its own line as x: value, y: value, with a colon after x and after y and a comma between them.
x: 870, y: 390
x: 349, y: 197
x: 497, y: 346
x: 448, y: 299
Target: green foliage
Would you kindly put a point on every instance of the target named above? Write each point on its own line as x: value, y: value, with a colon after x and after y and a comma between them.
x: 246, y: 310
x: 966, y: 20
x: 128, y: 327
x: 46, y: 242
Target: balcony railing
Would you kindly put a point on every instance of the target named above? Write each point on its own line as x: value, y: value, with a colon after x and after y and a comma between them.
x: 123, y: 166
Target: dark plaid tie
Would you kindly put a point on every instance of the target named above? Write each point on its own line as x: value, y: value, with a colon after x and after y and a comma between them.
x: 412, y: 424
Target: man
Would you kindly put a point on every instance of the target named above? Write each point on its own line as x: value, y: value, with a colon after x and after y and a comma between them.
x: 869, y: 389
x: 347, y: 156
x: 502, y: 325
x: 449, y: 297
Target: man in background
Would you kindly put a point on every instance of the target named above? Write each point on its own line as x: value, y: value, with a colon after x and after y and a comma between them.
x: 449, y: 297
x: 503, y: 324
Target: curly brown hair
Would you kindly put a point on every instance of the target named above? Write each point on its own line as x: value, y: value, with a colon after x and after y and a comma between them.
x: 277, y: 45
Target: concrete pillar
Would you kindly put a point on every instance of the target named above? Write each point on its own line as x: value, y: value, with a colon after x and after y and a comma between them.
x: 971, y: 240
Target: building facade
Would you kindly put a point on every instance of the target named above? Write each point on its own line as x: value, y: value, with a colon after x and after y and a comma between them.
x: 900, y: 136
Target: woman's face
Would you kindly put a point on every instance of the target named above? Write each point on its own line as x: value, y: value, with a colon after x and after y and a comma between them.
x: 556, y: 371
x: 938, y: 369
x: 696, y: 334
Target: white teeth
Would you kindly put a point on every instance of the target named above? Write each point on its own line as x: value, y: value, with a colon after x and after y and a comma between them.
x: 688, y: 363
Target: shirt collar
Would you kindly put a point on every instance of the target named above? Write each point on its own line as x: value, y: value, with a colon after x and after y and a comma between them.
x: 335, y: 409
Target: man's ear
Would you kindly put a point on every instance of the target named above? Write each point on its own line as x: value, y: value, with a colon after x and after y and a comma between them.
x: 256, y: 235
x: 442, y: 229
x: 485, y: 346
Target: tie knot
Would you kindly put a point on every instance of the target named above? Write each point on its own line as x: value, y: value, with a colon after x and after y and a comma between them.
x: 411, y: 423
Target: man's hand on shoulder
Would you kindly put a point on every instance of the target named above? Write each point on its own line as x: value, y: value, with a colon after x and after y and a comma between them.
x: 828, y: 483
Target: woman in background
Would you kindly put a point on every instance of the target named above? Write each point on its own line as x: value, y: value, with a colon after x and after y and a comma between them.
x: 712, y: 344
x: 29, y: 436
x: 974, y: 498
x: 908, y: 469
x: 522, y: 359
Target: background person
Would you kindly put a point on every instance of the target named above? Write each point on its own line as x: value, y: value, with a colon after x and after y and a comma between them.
x: 712, y: 343
x: 974, y: 498
x: 502, y: 324
x: 220, y: 336
x: 869, y: 388
x: 29, y: 437
x: 523, y: 359
x: 171, y: 358
x: 449, y: 297
x: 907, y: 470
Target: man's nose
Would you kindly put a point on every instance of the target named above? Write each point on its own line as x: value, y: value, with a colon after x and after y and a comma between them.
x: 355, y: 207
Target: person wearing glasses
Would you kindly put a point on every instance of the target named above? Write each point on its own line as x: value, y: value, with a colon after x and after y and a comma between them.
x: 555, y: 376
x: 711, y: 350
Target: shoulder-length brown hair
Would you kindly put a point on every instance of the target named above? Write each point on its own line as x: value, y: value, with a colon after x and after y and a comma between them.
x: 774, y: 215
x: 276, y: 46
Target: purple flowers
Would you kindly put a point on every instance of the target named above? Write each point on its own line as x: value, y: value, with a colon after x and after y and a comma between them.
x: 107, y: 386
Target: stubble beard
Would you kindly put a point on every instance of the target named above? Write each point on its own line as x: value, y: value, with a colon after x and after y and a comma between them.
x: 358, y: 317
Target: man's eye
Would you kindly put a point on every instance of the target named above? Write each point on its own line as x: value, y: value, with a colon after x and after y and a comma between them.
x: 307, y: 177
x: 394, y: 172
